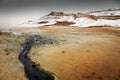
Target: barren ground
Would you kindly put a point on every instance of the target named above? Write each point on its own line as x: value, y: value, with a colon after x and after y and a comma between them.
x: 80, y: 54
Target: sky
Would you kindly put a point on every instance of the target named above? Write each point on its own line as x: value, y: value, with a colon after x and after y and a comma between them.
x: 59, y: 5
x: 21, y: 10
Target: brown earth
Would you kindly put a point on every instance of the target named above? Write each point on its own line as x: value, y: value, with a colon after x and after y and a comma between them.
x: 85, y: 54
x: 80, y: 54
x: 10, y: 67
x: 63, y: 23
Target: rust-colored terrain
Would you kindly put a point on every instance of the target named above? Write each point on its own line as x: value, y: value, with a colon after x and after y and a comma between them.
x: 80, y: 53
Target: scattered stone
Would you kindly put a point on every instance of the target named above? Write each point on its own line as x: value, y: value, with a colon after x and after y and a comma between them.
x: 7, y: 54
x: 63, y: 51
x: 93, y: 73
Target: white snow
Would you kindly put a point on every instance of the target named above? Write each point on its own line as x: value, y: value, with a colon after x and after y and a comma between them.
x: 50, y: 19
x: 106, y: 13
x: 35, y: 24
x: 57, y: 18
x: 65, y: 18
x: 18, y: 21
x: 85, y: 22
x: 80, y: 22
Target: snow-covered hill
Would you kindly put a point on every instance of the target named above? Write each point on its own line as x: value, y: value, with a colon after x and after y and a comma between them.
x: 79, y: 19
x: 115, y: 12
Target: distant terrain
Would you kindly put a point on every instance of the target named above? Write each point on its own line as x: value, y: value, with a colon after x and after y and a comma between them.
x: 96, y: 18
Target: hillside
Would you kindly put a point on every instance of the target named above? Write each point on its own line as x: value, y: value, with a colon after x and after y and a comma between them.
x: 96, y: 18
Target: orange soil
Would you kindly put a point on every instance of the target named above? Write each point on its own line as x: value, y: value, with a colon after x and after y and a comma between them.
x: 82, y: 54
x: 83, y: 57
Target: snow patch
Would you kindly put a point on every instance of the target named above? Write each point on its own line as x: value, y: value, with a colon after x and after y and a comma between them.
x: 80, y: 22
x: 106, y: 13
x: 85, y: 22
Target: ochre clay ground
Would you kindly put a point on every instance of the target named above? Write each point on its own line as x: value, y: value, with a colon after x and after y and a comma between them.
x: 80, y: 54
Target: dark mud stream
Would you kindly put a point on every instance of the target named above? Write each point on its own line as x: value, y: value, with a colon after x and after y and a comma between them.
x: 32, y: 71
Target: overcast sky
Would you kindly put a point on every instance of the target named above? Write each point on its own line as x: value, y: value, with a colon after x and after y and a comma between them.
x: 60, y: 5
x: 23, y: 10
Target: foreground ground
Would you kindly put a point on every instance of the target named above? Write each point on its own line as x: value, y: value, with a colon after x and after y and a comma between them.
x: 80, y: 54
